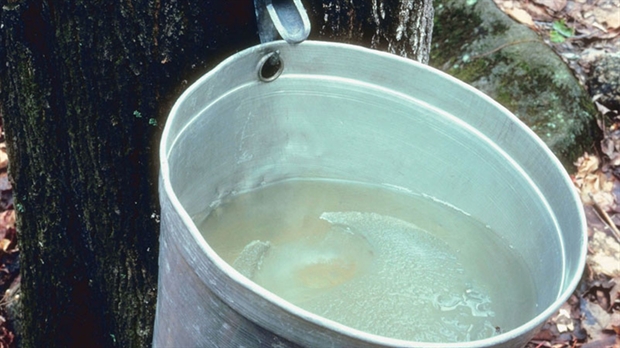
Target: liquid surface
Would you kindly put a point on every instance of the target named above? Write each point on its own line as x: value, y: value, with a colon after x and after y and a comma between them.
x: 375, y: 259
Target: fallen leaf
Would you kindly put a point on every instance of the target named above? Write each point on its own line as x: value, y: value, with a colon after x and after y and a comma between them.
x: 587, y: 164
x: 600, y: 107
x: 563, y: 320
x: 554, y: 5
x: 608, y: 146
x: 598, y: 188
x: 608, y: 17
x: 595, y: 318
x: 7, y: 337
x: 537, y: 13
x: 614, y: 293
x: 605, y: 258
x: 614, y: 160
x: 7, y: 218
x: 506, y: 4
x: 614, y: 322
x: 5, y: 244
x: 520, y: 16
x: 611, y: 34
x: 4, y: 158
x: 7, y: 224
x: 5, y: 184
x: 593, y: 184
x: 544, y: 335
x: 604, y: 342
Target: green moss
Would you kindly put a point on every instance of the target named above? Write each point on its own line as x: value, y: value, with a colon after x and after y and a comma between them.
x: 452, y: 28
x: 470, y: 71
x: 498, y: 28
x: 483, y: 47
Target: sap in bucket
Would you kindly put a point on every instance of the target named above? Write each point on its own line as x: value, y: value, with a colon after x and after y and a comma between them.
x: 327, y: 195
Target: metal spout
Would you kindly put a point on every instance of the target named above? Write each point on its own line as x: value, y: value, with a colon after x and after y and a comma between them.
x: 285, y: 17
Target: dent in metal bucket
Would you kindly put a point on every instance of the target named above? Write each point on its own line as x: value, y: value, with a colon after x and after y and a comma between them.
x: 342, y: 112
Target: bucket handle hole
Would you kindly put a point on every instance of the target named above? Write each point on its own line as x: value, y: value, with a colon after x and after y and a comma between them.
x: 270, y: 67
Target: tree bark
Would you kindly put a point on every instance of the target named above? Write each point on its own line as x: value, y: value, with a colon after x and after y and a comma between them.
x: 85, y: 87
x: 402, y: 27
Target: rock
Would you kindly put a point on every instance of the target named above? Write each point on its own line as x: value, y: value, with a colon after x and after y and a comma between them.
x: 477, y: 43
x: 604, y: 81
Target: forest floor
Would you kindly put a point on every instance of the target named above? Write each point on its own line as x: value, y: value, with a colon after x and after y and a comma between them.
x: 9, y: 251
x: 581, y: 32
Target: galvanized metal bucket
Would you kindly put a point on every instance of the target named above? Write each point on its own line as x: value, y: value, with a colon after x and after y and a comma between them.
x: 328, y: 110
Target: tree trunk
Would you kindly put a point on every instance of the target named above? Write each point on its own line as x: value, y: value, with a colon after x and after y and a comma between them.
x: 402, y: 27
x: 85, y: 87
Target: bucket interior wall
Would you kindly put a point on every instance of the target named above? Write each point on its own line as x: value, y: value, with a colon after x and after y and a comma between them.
x: 430, y: 137
x: 257, y: 136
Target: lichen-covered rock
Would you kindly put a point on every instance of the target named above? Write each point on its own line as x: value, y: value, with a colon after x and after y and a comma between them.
x: 604, y: 81
x: 479, y: 44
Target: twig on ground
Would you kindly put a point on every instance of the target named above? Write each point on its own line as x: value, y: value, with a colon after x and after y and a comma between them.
x: 541, y: 344
x: 606, y: 218
x: 517, y: 42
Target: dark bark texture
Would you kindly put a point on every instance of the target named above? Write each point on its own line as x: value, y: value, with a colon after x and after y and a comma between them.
x: 85, y: 89
x: 402, y: 27
x: 85, y: 86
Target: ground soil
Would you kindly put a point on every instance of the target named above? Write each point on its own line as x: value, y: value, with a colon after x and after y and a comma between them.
x: 586, y: 34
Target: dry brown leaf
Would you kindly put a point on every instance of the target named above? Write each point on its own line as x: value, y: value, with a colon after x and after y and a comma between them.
x: 614, y: 321
x: 611, y: 34
x: 608, y: 146
x: 7, y: 218
x: 520, y: 16
x: 615, y: 160
x: 4, y: 244
x: 4, y: 158
x: 587, y: 164
x: 537, y: 13
x: 7, y: 224
x: 605, y: 341
x: 554, y: 5
x: 596, y: 319
x: 502, y: 4
x: 609, y: 18
x: 614, y: 293
x: 593, y: 185
x: 605, y: 258
x: 604, y: 199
